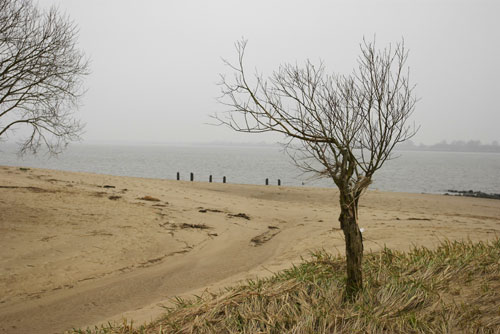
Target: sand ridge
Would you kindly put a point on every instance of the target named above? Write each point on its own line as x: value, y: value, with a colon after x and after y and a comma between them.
x: 80, y: 248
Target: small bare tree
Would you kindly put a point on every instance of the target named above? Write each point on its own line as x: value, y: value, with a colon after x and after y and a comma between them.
x: 343, y: 127
x: 41, y: 73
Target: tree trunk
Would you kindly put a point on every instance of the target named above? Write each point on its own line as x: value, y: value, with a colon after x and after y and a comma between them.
x: 353, y: 245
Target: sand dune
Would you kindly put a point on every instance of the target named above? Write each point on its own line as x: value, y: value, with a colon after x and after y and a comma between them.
x: 80, y: 249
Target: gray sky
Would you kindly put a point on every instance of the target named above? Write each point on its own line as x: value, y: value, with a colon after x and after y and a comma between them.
x: 155, y: 64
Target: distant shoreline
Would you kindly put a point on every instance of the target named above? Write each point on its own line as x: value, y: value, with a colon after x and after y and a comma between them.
x: 405, y: 149
x: 472, y: 146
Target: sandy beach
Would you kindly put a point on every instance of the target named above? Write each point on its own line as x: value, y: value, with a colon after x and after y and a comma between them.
x: 80, y: 249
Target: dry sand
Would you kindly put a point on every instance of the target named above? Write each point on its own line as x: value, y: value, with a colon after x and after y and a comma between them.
x: 76, y: 252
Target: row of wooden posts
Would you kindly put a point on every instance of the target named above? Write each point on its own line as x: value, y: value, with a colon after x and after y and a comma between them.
x: 191, y: 178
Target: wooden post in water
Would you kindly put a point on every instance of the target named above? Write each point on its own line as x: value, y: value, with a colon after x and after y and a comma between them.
x: 210, y: 179
x: 279, y: 182
x: 267, y: 181
x: 224, y: 179
x: 178, y: 176
x: 192, y: 177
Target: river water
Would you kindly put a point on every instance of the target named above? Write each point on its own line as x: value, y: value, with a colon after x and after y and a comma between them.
x: 412, y: 171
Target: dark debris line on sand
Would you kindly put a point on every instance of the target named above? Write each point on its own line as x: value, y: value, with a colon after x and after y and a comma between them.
x: 238, y: 215
x: 149, y: 198
x: 200, y: 226
x: 229, y: 215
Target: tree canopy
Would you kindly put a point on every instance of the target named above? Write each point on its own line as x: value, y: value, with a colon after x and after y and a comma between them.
x: 343, y: 127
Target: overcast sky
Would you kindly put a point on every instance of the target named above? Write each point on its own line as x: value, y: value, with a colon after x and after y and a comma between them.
x: 155, y: 64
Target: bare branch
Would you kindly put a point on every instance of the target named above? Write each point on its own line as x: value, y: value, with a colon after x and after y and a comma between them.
x: 348, y: 124
x: 41, y: 75
x: 343, y: 127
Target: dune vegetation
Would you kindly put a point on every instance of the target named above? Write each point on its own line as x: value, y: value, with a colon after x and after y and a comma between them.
x: 453, y: 288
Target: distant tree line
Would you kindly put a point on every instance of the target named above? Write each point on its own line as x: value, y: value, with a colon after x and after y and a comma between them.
x: 454, y: 146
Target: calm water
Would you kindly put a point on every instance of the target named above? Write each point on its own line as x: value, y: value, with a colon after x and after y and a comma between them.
x: 419, y: 172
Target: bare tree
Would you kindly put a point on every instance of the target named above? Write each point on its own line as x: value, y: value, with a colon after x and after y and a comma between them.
x: 41, y: 72
x: 343, y: 127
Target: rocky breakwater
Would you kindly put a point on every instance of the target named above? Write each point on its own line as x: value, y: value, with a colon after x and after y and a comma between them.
x: 471, y: 193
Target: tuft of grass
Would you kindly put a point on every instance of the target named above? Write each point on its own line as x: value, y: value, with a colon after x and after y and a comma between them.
x: 454, y: 288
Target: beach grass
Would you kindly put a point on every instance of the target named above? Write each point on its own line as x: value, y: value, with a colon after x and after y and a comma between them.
x: 453, y: 288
